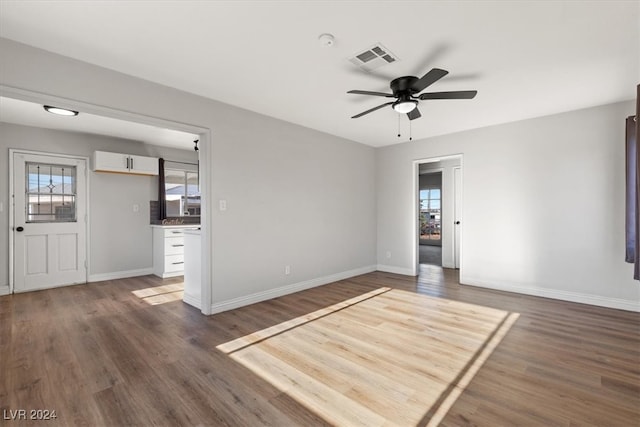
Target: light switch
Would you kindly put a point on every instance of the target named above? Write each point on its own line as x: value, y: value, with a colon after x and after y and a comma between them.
x: 223, y: 205
x: 136, y: 207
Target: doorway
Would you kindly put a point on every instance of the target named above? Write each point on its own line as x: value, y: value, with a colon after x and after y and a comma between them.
x: 438, y: 212
x: 430, y: 235
x: 49, y: 220
x: 205, y: 175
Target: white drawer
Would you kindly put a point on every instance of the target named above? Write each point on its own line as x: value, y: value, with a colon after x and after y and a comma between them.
x: 174, y: 245
x: 174, y: 263
x: 173, y: 232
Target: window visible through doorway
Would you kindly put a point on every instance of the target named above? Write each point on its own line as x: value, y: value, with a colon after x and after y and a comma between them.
x: 51, y: 193
x: 430, y: 202
x: 182, y: 191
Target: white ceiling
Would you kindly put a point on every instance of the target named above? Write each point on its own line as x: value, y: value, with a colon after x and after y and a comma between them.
x: 31, y: 114
x: 525, y: 58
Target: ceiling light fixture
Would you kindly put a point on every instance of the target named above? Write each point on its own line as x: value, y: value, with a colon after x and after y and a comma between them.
x: 60, y: 111
x: 404, y: 107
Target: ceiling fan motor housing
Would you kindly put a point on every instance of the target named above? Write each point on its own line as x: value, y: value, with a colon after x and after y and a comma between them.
x: 403, y: 85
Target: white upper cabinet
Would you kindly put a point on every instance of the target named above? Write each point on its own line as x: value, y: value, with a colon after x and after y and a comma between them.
x: 143, y: 165
x: 110, y: 162
x: 104, y: 161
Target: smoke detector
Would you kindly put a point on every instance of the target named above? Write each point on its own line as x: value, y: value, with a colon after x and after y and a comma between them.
x: 326, y: 39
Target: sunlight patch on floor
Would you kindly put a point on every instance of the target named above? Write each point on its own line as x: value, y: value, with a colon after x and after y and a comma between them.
x: 387, y: 356
x: 247, y: 340
x: 161, y: 294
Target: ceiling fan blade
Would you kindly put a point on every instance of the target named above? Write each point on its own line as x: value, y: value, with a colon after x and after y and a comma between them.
x: 366, y: 92
x: 371, y: 110
x: 414, y: 114
x: 460, y: 94
x: 428, y: 79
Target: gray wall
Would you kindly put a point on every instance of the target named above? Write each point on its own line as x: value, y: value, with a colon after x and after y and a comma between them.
x: 295, y: 196
x: 543, y: 205
x: 120, y: 238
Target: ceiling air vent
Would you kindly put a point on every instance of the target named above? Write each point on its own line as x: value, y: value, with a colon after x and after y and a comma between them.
x: 374, y: 57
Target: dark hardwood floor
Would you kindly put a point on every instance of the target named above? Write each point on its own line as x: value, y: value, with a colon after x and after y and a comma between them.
x: 377, y: 349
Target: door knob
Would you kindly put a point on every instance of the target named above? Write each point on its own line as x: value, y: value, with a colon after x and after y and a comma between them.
x: 19, y: 229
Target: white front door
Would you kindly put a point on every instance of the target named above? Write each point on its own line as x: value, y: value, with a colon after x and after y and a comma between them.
x: 49, y: 226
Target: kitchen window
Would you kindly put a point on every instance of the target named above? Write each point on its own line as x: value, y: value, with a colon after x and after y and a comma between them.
x: 182, y: 191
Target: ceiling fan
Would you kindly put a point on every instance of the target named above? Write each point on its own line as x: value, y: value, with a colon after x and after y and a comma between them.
x: 407, y: 90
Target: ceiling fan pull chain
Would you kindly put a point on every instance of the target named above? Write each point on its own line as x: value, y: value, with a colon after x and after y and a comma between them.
x: 410, y: 134
x: 398, y: 125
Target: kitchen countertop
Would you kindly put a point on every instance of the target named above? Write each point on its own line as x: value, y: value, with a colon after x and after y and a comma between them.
x: 176, y: 226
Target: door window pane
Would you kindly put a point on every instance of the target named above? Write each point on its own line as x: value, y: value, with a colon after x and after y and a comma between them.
x: 430, y: 223
x: 50, y: 193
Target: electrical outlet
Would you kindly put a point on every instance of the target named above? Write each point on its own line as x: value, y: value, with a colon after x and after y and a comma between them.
x: 136, y: 207
x: 287, y: 269
x: 222, y: 204
x: 388, y: 254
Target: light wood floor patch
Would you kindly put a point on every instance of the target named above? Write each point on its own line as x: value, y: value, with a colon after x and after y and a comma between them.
x: 388, y: 371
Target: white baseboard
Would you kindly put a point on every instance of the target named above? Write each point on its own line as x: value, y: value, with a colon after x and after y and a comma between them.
x: 191, y: 300
x: 396, y: 270
x: 120, y: 274
x: 285, y: 290
x: 4, y: 290
x: 617, y: 303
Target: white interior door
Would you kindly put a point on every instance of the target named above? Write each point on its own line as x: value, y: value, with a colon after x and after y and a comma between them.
x: 457, y: 208
x: 50, y: 232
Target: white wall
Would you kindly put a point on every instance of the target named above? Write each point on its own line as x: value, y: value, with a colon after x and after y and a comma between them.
x: 120, y: 238
x: 543, y: 205
x: 295, y: 196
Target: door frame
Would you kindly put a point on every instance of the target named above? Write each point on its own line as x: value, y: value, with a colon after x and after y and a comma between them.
x: 415, y: 211
x: 205, y: 159
x: 12, y: 206
x: 457, y: 216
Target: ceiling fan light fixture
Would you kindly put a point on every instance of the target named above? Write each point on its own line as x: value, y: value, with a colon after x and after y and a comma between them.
x: 59, y: 111
x: 404, y: 107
